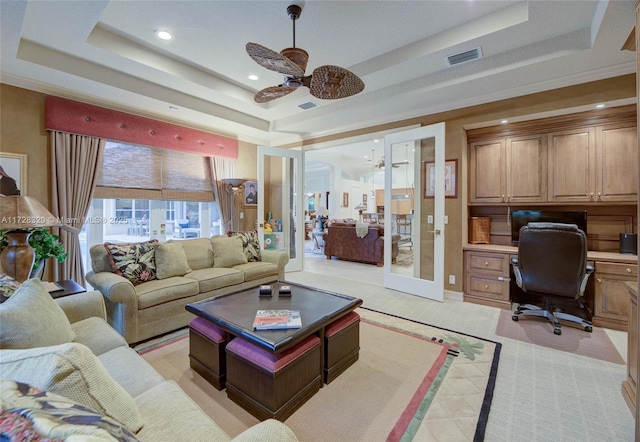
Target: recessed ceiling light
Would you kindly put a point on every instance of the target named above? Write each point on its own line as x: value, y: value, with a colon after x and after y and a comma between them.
x: 253, y: 77
x: 600, y: 106
x: 504, y: 121
x: 164, y: 35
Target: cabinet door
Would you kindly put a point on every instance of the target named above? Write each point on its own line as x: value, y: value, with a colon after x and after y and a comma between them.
x: 571, y: 162
x: 526, y: 169
x: 617, y: 163
x: 486, y: 172
x: 611, y: 301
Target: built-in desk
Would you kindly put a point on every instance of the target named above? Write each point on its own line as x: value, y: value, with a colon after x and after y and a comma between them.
x: 487, y: 280
x: 629, y: 386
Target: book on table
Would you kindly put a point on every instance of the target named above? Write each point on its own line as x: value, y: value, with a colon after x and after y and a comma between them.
x: 277, y: 319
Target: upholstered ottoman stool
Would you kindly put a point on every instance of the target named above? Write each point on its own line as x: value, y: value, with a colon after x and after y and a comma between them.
x: 207, y: 355
x: 341, y: 345
x: 271, y: 385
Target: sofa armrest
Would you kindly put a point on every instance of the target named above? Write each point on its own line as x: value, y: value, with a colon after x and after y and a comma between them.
x: 278, y: 258
x: 114, y: 287
x: 269, y: 430
x: 83, y: 305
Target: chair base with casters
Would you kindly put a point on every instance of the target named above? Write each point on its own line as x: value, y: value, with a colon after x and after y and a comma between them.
x: 552, y: 314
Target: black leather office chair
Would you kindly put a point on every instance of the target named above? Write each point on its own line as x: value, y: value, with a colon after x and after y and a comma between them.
x: 552, y: 262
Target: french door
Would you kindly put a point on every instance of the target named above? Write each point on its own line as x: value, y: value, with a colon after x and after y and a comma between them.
x: 414, y: 211
x: 280, y: 203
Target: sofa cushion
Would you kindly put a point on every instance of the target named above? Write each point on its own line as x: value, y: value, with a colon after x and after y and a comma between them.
x: 171, y: 415
x: 216, y: 278
x: 198, y: 252
x: 29, y: 413
x: 258, y: 270
x: 32, y: 309
x: 170, y: 260
x: 250, y: 244
x: 98, y: 335
x: 227, y: 251
x: 8, y: 286
x: 71, y: 370
x: 134, y: 261
x: 130, y: 371
x: 160, y: 291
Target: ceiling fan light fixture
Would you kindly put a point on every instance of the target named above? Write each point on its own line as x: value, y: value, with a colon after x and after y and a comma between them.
x: 164, y: 35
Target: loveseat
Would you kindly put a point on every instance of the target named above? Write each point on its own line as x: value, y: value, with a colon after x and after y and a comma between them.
x: 141, y: 306
x: 343, y: 242
x: 91, y: 380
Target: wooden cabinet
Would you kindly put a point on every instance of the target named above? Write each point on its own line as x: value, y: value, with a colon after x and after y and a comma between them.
x: 611, y: 297
x: 509, y: 170
x: 399, y: 203
x: 630, y: 385
x: 595, y: 164
x: 487, y: 278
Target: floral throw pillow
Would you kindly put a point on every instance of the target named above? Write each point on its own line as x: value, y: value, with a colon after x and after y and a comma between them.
x: 8, y: 286
x: 135, y: 261
x: 250, y: 244
x: 28, y: 413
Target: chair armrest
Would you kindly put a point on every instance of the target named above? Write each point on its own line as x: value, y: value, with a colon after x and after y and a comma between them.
x: 278, y: 258
x: 590, y: 268
x: 83, y: 305
x: 516, y: 272
x: 269, y: 430
x: 113, y: 287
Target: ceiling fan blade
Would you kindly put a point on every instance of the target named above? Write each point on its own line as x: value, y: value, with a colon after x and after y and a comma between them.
x: 273, y: 61
x: 331, y: 82
x: 273, y: 92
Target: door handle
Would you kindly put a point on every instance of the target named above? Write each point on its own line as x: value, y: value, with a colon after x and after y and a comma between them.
x: 437, y: 231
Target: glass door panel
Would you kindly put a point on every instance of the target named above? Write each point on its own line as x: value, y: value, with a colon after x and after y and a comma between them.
x: 414, y: 211
x: 280, y: 203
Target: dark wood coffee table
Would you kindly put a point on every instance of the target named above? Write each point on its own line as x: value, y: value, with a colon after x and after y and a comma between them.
x: 235, y: 313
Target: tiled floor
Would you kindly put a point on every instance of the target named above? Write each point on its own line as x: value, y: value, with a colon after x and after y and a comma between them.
x: 541, y: 394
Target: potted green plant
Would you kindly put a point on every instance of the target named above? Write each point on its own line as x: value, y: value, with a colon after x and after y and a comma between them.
x: 46, y: 245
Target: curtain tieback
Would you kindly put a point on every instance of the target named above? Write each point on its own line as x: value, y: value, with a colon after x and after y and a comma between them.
x: 71, y: 229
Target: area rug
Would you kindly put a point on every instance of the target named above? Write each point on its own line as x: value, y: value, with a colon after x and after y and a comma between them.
x: 411, y: 382
x: 539, y: 331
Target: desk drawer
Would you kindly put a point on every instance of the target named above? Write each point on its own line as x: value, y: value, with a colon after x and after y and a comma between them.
x: 487, y: 287
x: 488, y: 262
x: 629, y: 270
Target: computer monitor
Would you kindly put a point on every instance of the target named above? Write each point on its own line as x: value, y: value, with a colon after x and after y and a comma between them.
x: 521, y: 218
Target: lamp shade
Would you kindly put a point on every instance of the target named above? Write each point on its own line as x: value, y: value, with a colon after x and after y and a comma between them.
x: 322, y: 211
x: 234, y: 183
x: 24, y: 212
x: 19, y: 213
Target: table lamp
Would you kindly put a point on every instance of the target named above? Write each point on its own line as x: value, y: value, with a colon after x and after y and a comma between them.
x: 19, y: 213
x: 234, y: 186
x: 360, y: 207
x: 322, y: 213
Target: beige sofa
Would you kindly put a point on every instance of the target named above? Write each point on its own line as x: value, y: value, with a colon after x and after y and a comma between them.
x: 73, y: 351
x: 142, y: 311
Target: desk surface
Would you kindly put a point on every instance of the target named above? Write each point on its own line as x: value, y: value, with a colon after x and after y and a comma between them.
x: 591, y: 255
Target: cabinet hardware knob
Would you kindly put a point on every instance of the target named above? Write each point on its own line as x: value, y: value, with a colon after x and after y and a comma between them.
x: 628, y: 270
x: 599, y: 279
x: 486, y: 286
x: 486, y: 263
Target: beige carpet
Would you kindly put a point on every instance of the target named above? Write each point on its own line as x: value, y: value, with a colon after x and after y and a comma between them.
x: 539, y: 331
x: 412, y: 381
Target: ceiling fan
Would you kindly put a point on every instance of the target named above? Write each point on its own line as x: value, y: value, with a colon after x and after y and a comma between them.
x: 380, y: 164
x: 326, y: 82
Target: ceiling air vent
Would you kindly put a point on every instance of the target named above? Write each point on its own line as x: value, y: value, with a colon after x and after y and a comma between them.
x: 307, y: 105
x: 463, y: 57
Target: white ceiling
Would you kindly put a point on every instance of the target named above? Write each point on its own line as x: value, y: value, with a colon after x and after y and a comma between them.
x: 105, y: 52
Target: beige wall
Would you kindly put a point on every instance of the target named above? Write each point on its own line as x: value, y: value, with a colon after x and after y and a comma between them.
x: 22, y: 131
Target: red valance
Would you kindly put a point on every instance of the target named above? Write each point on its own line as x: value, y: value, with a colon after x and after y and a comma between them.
x: 86, y: 119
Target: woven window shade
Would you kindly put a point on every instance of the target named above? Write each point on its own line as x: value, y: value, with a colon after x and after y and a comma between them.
x: 141, y: 172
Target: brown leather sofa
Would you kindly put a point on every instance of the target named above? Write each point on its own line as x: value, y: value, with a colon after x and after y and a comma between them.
x: 342, y: 242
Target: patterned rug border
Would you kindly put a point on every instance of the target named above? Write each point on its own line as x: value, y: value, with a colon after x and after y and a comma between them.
x: 453, y: 350
x: 491, y: 383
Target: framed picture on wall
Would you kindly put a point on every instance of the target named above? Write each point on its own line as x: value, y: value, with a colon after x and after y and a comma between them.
x: 345, y: 199
x: 250, y: 193
x: 13, y: 174
x: 450, y: 179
